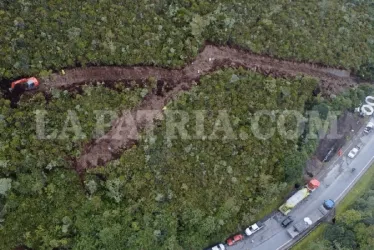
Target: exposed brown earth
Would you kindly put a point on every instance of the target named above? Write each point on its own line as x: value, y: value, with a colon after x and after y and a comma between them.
x: 346, y: 127
x: 123, y: 134
x: 211, y: 58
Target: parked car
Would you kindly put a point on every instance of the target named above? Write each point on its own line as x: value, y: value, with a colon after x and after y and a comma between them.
x: 26, y: 83
x: 254, y: 228
x: 369, y: 127
x: 352, y: 154
x: 329, y: 204
x: 234, y: 239
x: 287, y: 221
x: 218, y: 247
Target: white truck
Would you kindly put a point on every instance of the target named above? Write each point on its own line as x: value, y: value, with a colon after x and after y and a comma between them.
x: 299, y: 196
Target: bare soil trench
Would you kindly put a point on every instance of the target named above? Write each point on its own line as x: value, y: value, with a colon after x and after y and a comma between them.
x: 123, y: 133
x: 211, y: 57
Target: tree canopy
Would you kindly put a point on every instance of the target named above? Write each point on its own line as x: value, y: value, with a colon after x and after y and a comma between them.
x: 38, y: 36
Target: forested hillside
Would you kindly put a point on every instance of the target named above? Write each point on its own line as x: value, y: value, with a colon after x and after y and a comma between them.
x: 152, y: 197
x: 38, y: 36
x: 164, y: 193
x: 167, y: 193
x: 44, y: 188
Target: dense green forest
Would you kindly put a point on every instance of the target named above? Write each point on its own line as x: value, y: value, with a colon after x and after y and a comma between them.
x: 37, y: 36
x: 151, y: 197
x: 167, y: 193
x: 44, y: 188
x: 354, y: 228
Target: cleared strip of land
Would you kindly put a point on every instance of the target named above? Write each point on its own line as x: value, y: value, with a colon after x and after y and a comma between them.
x: 119, y: 138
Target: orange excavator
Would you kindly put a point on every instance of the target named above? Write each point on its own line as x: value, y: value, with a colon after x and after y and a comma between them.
x: 26, y: 83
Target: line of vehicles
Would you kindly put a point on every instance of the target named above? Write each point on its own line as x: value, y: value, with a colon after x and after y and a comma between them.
x: 294, y: 200
x: 313, y: 218
x: 327, y: 205
x: 238, y: 237
x: 285, y: 209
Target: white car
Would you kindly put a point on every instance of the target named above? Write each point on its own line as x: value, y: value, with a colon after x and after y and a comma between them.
x: 369, y: 128
x: 254, y: 228
x: 219, y: 247
x: 352, y: 154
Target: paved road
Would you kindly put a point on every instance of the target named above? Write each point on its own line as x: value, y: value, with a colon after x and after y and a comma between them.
x: 335, y: 185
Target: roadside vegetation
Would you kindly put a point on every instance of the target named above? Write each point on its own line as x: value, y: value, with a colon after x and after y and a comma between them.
x: 354, y: 221
x: 38, y: 36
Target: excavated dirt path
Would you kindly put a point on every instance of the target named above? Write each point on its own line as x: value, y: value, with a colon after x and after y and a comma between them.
x: 123, y: 133
x: 332, y: 79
